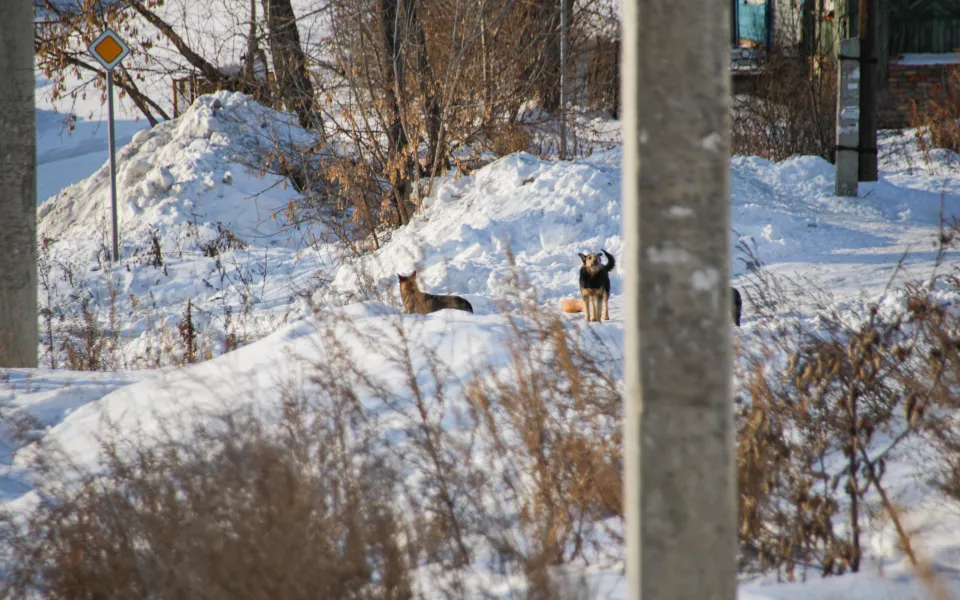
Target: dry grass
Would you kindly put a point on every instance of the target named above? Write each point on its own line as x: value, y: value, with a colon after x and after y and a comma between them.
x: 792, y: 111
x: 368, y: 481
x: 509, y: 138
x: 239, y: 512
x: 937, y: 119
x: 823, y: 407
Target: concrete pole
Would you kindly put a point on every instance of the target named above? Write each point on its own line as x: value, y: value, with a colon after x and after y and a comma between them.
x: 18, y: 188
x: 848, y: 119
x: 679, y: 450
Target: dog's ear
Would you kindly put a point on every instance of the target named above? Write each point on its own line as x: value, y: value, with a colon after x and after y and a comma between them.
x: 583, y: 257
x: 401, y: 277
x: 412, y: 275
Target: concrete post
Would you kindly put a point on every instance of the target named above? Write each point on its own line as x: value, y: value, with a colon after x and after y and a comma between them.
x: 18, y: 188
x: 679, y: 449
x: 848, y: 119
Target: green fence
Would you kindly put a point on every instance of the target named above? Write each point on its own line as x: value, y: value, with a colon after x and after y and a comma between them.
x: 923, y: 26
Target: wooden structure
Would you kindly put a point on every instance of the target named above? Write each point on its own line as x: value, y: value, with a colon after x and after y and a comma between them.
x: 927, y: 31
x: 921, y: 26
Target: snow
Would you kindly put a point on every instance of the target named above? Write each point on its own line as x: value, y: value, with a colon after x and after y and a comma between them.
x: 182, y: 184
x: 183, y: 181
x: 536, y: 213
x: 180, y: 169
x: 922, y: 59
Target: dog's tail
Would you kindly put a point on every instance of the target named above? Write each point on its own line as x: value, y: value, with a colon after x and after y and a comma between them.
x: 462, y: 304
x: 611, y: 262
x: 737, y: 306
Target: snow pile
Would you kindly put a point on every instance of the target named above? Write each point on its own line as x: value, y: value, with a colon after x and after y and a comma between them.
x: 540, y: 211
x: 544, y: 213
x: 197, y: 169
x: 180, y: 179
x: 196, y: 223
x: 261, y: 375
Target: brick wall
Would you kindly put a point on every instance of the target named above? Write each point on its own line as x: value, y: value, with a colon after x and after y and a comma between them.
x: 908, y: 83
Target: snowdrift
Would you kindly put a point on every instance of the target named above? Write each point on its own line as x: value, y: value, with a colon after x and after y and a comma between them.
x: 190, y: 174
x: 199, y: 169
x: 544, y: 212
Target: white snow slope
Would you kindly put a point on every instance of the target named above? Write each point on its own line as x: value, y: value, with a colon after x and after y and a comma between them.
x: 181, y: 183
x: 174, y: 180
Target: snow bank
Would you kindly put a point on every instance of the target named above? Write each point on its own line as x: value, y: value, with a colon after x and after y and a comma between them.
x: 545, y: 212
x: 197, y: 169
x: 192, y: 173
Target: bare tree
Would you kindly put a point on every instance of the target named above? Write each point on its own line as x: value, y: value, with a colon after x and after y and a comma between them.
x: 290, y: 63
x: 18, y: 190
x: 59, y: 54
x: 64, y: 29
x: 398, y: 158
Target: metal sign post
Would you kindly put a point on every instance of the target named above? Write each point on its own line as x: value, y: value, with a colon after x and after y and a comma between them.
x: 848, y: 119
x: 109, y: 50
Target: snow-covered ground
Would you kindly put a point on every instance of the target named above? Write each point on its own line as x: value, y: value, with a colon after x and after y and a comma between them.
x: 178, y: 181
x: 947, y: 58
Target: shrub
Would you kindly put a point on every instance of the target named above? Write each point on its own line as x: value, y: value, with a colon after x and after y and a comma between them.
x: 791, y: 111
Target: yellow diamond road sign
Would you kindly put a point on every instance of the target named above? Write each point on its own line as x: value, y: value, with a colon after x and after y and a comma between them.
x: 108, y: 49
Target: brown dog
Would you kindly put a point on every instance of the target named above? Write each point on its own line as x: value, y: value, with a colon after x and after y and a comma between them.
x: 418, y: 302
x: 595, y: 284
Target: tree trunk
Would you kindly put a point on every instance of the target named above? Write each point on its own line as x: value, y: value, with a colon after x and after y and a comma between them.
x: 485, y: 70
x: 19, y: 334
x: 563, y: 80
x: 209, y: 71
x: 290, y: 63
x: 681, y: 499
x: 867, y: 31
x: 808, y: 27
x: 428, y: 86
x: 253, y: 46
x: 549, y: 76
x: 393, y: 90
x: 615, y: 89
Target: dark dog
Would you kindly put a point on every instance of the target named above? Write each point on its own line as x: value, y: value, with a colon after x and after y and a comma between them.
x: 418, y: 302
x: 595, y: 284
x: 737, y: 306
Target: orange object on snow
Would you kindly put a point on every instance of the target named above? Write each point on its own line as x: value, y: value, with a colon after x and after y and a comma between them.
x: 572, y: 305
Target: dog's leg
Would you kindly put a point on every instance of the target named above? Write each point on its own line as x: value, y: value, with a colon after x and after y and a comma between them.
x: 606, y: 305
x: 586, y: 307
x: 596, y: 308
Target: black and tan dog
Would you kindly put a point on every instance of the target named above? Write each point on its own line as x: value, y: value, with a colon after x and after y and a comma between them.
x: 418, y: 302
x: 595, y: 284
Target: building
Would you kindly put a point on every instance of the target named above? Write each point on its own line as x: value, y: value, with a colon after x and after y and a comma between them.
x: 918, y: 42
